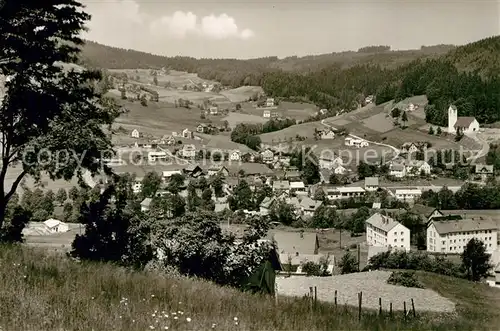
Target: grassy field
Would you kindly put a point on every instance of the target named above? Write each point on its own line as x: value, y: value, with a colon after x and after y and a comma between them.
x: 50, y: 292
x: 235, y: 118
x: 241, y: 94
x: 45, y: 183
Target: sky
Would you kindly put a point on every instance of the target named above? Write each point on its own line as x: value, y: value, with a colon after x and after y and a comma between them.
x: 258, y: 28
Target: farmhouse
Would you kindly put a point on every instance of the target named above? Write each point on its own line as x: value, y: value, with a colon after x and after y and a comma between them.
x: 218, y: 170
x: 297, y: 243
x: 355, y: 142
x: 371, y: 184
x: 327, y: 134
x: 214, y: 110
x: 188, y: 151
x: 56, y: 226
x: 408, y: 194
x: 409, y: 148
x: 135, y: 134
x: 270, y: 102
x: 418, y: 167
x: 453, y: 236
x: 465, y: 124
x: 397, y: 170
x: 201, y: 128
x: 235, y: 156
x: 193, y: 170
x: 383, y: 231
x: 186, y: 133
x: 267, y: 156
x: 156, y: 156
x: 266, y: 114
x: 330, y: 162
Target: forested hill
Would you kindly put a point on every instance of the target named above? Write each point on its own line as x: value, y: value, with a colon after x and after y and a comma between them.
x: 467, y: 76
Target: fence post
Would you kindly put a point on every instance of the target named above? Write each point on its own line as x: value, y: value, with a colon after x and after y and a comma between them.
x: 404, y: 308
x: 316, y: 297
x: 335, y: 298
x: 380, y: 306
x: 311, y: 297
x: 390, y: 309
x: 413, y: 307
x: 360, y: 299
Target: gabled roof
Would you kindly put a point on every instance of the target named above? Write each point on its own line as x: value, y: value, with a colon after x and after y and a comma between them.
x: 397, y: 167
x: 423, y: 210
x: 382, y: 222
x: 484, y: 169
x: 309, y: 204
x: 465, y: 225
x: 146, y: 202
x: 371, y: 181
x: 464, y: 122
x: 281, y: 184
x: 267, y: 202
x: 296, y: 242
x: 51, y: 222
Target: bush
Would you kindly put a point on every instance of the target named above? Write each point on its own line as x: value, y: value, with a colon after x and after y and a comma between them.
x: 404, y: 278
x: 316, y: 269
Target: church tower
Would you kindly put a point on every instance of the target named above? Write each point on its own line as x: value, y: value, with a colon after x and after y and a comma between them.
x: 452, y: 118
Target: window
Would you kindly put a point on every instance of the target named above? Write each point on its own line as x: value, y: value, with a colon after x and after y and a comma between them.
x: 402, y: 239
x: 395, y: 233
x: 395, y: 240
x: 444, y: 242
x: 401, y: 232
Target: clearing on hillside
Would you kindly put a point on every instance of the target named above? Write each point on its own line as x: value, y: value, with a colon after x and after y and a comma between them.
x: 242, y: 94
x: 234, y: 119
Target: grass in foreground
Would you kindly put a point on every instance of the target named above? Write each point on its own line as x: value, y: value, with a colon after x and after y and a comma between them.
x: 50, y: 292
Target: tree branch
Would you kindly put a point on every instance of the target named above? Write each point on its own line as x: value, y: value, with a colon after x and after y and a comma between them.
x: 15, y: 185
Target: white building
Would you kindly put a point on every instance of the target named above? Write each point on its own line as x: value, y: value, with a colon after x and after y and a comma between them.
x: 145, y: 204
x: 137, y: 185
x: 371, y: 184
x: 267, y: 156
x: 135, y: 134
x: 170, y: 173
x: 453, y: 236
x: 56, y: 226
x: 327, y: 134
x: 355, y: 142
x: 397, y: 170
x: 330, y: 162
x: 270, y: 102
x: 466, y: 124
x: 339, y: 169
x: 235, y: 156
x: 346, y: 192
x: 156, y: 156
x: 214, y: 110
x: 186, y: 133
x: 266, y: 114
x: 308, y: 206
x: 188, y: 151
x: 408, y: 194
x: 383, y: 231
x: 417, y: 167
x: 298, y: 188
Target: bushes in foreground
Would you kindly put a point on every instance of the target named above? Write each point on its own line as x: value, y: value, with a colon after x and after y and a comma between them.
x: 404, y: 278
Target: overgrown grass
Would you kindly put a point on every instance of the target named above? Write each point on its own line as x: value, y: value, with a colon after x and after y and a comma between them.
x: 41, y: 291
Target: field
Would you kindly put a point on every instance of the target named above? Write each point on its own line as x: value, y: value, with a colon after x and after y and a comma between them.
x: 50, y: 292
x: 236, y: 118
x: 241, y: 94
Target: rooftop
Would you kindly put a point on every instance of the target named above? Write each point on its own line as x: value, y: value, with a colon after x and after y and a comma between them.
x: 371, y: 181
x: 296, y: 242
x: 466, y: 225
x: 382, y: 222
x: 464, y: 122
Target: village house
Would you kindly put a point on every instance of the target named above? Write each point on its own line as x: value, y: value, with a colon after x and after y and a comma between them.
x: 135, y: 134
x: 452, y: 236
x: 168, y: 140
x: 214, y: 110
x: 186, y: 133
x: 428, y: 213
x: 298, y: 188
x: 169, y: 173
x: 266, y: 205
x: 266, y: 114
x: 270, y: 102
x: 157, y: 156
x: 409, y: 147
x: 484, y: 170
x: 143, y: 143
x: 280, y: 186
x: 397, y: 170
x: 408, y: 194
x: 346, y: 192
x: 466, y: 124
x: 355, y: 142
x: 188, y: 151
x: 218, y: 170
x: 323, y: 111
x: 235, y: 156
x: 146, y: 204
x: 56, y: 226
x: 137, y: 185
x: 201, y: 128
x: 275, y: 114
x: 327, y: 134
x: 267, y: 156
x: 338, y: 169
x: 383, y: 231
x: 371, y: 184
x: 193, y: 170
x: 417, y: 167
x: 297, y: 243
x: 308, y: 206
x: 329, y: 162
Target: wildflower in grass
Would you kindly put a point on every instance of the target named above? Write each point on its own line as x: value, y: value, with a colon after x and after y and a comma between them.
x: 188, y: 319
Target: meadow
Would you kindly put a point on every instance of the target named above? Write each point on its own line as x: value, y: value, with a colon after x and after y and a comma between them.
x: 42, y: 291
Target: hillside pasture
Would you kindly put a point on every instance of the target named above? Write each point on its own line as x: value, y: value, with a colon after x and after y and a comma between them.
x: 241, y: 94
x: 177, y: 79
x: 304, y: 130
x: 234, y: 118
x: 45, y: 182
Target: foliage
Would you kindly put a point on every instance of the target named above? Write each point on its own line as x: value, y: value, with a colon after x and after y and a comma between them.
x: 470, y: 196
x: 61, y: 196
x: 404, y: 278
x: 282, y: 212
x: 242, y: 197
x: 325, y: 217
x: 316, y: 269
x: 348, y: 264
x: 74, y: 108
x: 150, y: 184
x: 476, y: 261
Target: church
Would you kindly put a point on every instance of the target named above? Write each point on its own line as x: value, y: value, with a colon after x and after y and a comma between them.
x: 466, y: 124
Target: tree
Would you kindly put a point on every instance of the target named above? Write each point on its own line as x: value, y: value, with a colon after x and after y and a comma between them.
x: 431, y: 130
x: 242, y: 196
x: 144, y: 101
x: 310, y: 169
x: 175, y: 183
x: 348, y: 264
x: 206, y: 199
x: 155, y: 81
x: 404, y: 118
x: 74, y: 193
x: 395, y: 113
x: 217, y: 185
x: 358, y: 218
x: 238, y: 106
x: 282, y: 212
x: 61, y: 196
x: 475, y: 260
x: 193, y: 200
x: 67, y: 211
x: 319, y: 195
x: 150, y: 184
x: 439, y: 131
x: 74, y: 111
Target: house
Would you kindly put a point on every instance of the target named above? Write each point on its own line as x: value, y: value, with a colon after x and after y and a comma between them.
x: 186, y: 133
x: 465, y: 124
x: 408, y: 194
x: 409, y: 148
x: 146, y: 204
x: 483, y: 169
x: 169, y: 173
x: 267, y: 156
x: 384, y: 231
x: 411, y: 107
x: 169, y: 140
x: 188, y: 151
x: 371, y: 184
x: 275, y: 114
x: 298, y: 188
x: 193, y: 170
x: 297, y: 243
x: 157, y: 156
x: 218, y: 170
x: 497, y: 275
x: 135, y: 134
x: 327, y: 134
x: 308, y: 206
x: 235, y: 156
x: 339, y: 169
x: 137, y: 185
x: 56, y: 226
x: 270, y: 102
x: 201, y: 128
x: 428, y: 213
x: 452, y: 236
x: 281, y: 186
x: 266, y: 114
x: 330, y: 162
x: 214, y: 110
x: 266, y: 205
x: 418, y: 167
x: 369, y: 99
x: 355, y: 142
x: 347, y: 192
x: 323, y: 111
x: 397, y: 170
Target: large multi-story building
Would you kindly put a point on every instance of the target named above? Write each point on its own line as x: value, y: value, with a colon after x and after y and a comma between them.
x: 453, y: 236
x: 383, y: 231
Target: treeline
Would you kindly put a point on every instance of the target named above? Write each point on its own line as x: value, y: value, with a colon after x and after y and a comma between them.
x: 247, y: 134
x: 470, y: 196
x: 374, y: 49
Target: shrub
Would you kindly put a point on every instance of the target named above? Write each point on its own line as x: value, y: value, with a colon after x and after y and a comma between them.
x: 404, y: 278
x: 316, y: 269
